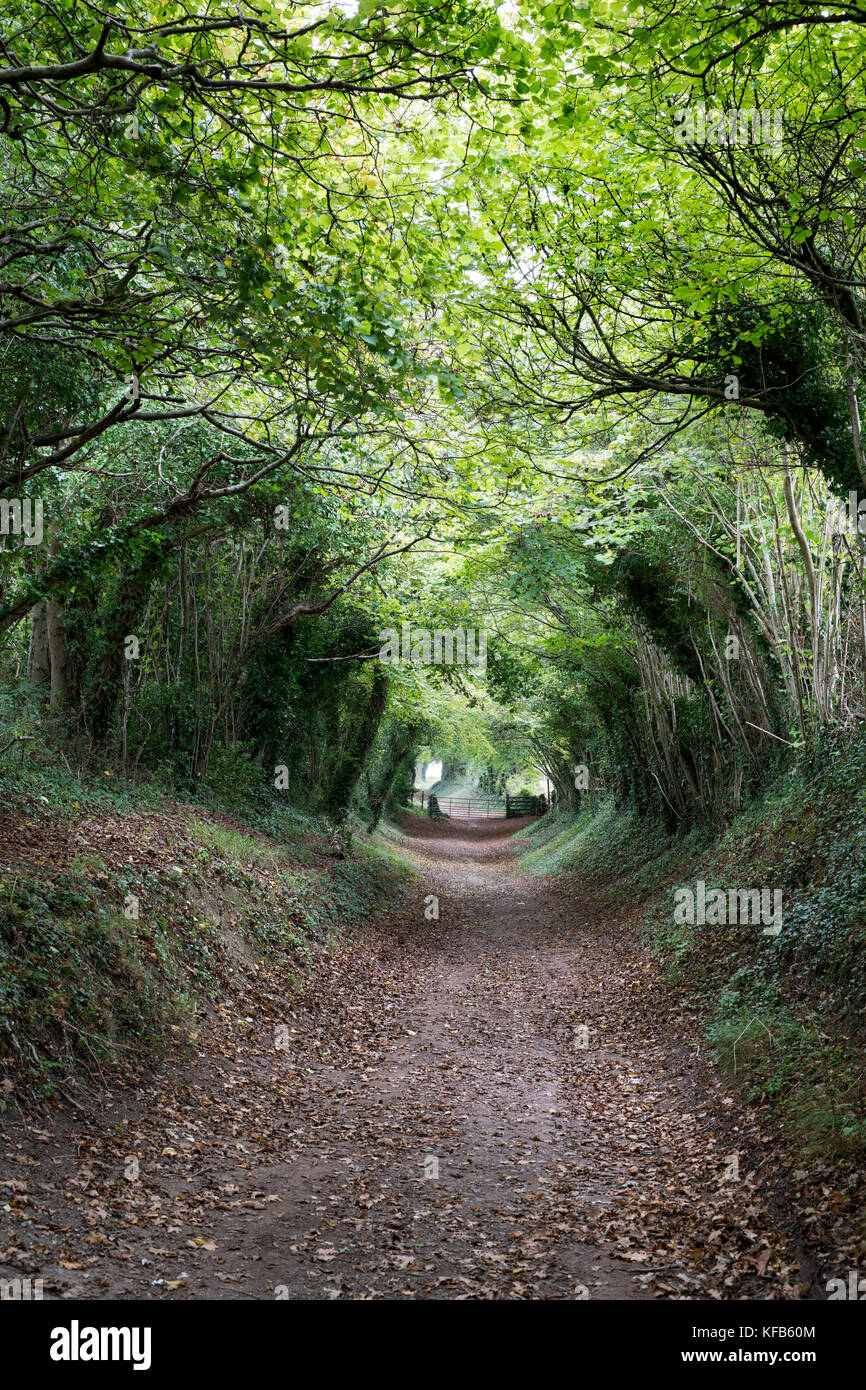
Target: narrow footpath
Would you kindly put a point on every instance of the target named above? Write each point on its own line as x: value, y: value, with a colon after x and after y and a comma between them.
x: 503, y: 1102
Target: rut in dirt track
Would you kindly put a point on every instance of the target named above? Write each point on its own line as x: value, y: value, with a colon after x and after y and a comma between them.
x: 503, y: 1103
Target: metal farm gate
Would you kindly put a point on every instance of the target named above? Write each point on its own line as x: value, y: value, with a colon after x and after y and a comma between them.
x: 477, y: 807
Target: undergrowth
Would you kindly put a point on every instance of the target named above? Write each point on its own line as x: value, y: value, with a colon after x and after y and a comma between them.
x: 783, y: 1014
x: 107, y: 959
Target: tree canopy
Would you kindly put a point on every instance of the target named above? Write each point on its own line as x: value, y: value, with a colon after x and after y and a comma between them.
x: 542, y: 321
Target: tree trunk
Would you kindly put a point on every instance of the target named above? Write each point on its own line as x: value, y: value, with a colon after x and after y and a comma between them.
x: 122, y: 620
x: 352, y: 764
x: 39, y: 656
x: 56, y: 630
x: 398, y: 750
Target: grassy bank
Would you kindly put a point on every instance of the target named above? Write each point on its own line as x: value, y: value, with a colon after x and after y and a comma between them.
x: 125, y: 915
x: 786, y: 1014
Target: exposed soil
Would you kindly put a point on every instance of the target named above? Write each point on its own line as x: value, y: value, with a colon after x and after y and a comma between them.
x: 502, y: 1103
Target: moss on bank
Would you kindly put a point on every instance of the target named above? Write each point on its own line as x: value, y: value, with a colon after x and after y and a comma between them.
x: 124, y: 914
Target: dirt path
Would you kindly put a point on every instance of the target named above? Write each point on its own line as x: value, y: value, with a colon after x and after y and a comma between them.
x: 503, y: 1103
